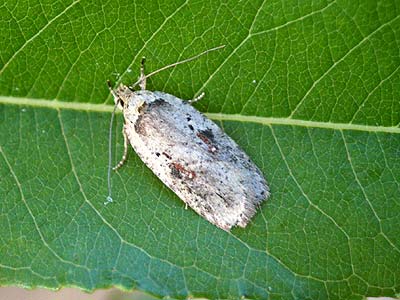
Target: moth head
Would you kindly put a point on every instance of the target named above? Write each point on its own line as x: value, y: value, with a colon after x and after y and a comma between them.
x: 121, y: 95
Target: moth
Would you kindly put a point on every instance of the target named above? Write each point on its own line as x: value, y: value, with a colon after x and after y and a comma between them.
x: 189, y: 153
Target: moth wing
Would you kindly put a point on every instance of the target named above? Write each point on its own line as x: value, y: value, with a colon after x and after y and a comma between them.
x: 198, y: 161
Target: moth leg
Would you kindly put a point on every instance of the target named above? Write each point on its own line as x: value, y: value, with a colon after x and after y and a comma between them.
x: 142, y: 78
x: 125, y: 155
x: 199, y: 97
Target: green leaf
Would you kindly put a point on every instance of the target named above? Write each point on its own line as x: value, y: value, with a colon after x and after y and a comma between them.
x: 309, y: 89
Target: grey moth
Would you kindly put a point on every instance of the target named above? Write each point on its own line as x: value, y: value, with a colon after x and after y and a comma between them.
x: 190, y: 154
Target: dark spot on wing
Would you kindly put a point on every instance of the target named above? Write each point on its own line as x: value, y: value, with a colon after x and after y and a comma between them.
x: 207, y: 140
x: 223, y: 199
x: 139, y: 125
x: 207, y: 208
x: 179, y: 171
x: 158, y: 102
x: 175, y: 172
x: 208, y: 133
x: 142, y: 108
x: 167, y: 155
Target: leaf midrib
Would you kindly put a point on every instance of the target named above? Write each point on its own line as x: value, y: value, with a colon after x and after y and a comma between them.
x: 55, y: 104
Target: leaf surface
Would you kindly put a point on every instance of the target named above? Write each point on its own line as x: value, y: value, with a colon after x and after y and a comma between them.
x: 310, y: 90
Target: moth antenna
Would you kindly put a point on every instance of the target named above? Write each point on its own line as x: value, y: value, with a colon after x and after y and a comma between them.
x: 109, y: 198
x: 143, y: 79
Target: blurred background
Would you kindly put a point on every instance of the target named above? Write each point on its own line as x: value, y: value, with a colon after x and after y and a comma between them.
x: 10, y: 293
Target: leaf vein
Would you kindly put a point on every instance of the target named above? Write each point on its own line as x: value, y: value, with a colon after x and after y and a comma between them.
x: 315, y: 83
x: 42, y: 238
x: 316, y: 207
x: 365, y: 194
x: 250, y: 35
x: 361, y: 105
x: 145, y: 44
x: 37, y: 34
